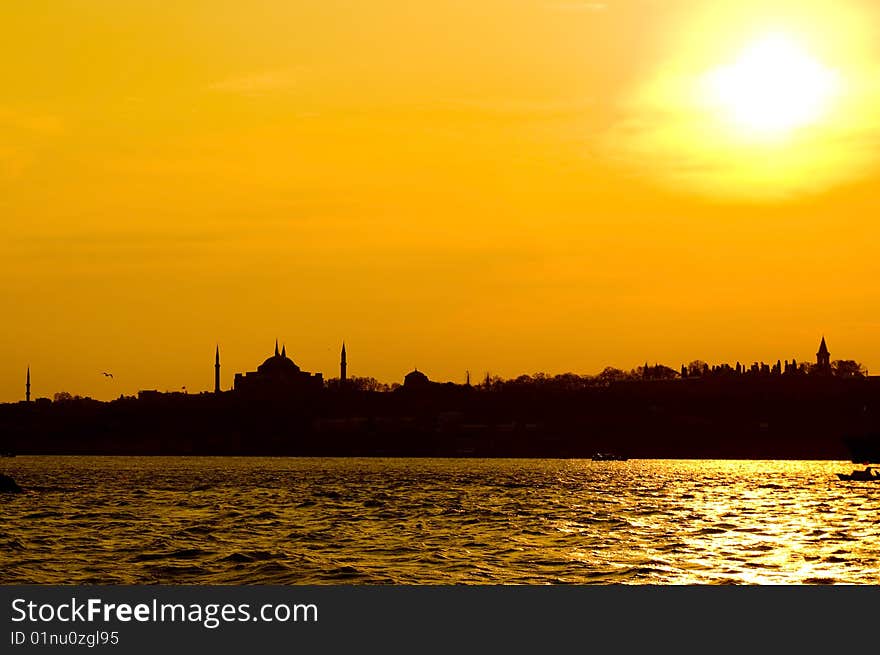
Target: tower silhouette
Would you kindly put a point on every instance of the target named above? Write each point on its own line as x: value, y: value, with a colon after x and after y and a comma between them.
x: 27, y: 386
x: 343, y: 366
x: 217, y: 370
x: 823, y: 357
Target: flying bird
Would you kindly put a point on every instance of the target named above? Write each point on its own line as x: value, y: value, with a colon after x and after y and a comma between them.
x: 107, y: 375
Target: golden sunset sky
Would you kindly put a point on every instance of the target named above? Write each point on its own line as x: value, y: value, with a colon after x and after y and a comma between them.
x: 495, y: 185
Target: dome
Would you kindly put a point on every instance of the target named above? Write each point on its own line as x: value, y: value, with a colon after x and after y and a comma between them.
x: 415, y: 378
x: 278, y: 364
x: 278, y: 374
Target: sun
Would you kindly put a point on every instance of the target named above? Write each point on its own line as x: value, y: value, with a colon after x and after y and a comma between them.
x: 757, y: 103
x: 772, y: 88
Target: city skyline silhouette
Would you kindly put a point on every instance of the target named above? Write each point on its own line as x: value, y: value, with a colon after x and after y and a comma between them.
x: 279, y: 370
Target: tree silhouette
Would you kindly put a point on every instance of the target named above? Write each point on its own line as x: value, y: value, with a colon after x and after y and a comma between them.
x: 848, y: 368
x: 610, y: 374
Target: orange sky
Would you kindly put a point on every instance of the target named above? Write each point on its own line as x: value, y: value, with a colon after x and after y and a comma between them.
x: 495, y: 185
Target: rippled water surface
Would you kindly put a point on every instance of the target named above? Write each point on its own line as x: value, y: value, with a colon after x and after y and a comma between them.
x: 435, y: 521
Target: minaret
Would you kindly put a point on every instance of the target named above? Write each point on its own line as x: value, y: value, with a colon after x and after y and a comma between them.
x: 27, y: 386
x: 343, y: 366
x: 276, y: 347
x: 217, y: 370
x: 284, y: 350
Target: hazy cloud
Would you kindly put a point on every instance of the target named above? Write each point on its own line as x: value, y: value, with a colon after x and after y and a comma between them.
x: 24, y: 121
x: 520, y: 106
x: 20, y: 131
x: 673, y: 149
x: 578, y: 6
x: 259, y: 83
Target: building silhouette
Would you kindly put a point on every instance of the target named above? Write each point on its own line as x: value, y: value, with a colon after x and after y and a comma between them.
x: 217, y: 370
x: 823, y: 358
x: 343, y: 366
x: 760, y: 369
x: 27, y: 386
x: 415, y: 379
x: 278, y: 375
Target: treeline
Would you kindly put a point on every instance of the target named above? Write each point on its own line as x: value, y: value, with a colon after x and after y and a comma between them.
x: 842, y: 368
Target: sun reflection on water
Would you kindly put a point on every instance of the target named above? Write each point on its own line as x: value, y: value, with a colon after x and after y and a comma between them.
x: 324, y: 521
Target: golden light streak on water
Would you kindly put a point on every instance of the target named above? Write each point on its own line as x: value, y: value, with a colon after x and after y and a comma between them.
x: 436, y: 521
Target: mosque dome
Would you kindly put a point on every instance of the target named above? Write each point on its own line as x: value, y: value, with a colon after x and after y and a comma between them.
x: 278, y: 363
x: 278, y: 374
x: 415, y: 378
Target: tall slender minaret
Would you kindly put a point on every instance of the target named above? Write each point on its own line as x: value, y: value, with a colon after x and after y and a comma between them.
x: 217, y: 370
x: 343, y: 366
x: 27, y: 386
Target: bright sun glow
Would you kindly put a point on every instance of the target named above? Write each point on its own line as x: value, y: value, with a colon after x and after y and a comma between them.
x: 773, y: 87
x: 759, y: 102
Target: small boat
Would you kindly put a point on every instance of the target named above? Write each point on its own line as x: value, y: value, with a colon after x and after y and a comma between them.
x: 608, y: 457
x: 870, y: 474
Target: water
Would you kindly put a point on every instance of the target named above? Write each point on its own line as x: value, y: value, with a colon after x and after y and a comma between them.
x: 434, y: 521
